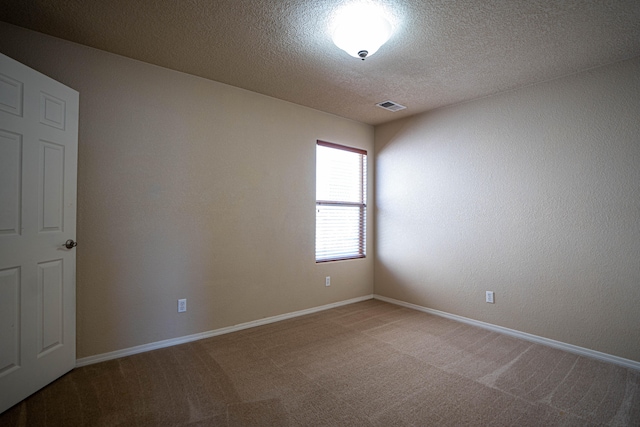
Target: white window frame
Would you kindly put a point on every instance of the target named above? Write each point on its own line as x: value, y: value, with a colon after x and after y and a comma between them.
x: 341, y: 221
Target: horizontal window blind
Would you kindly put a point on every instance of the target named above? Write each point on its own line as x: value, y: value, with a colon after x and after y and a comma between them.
x: 340, y: 202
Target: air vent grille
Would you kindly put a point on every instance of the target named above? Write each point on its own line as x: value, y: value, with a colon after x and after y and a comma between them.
x: 391, y: 106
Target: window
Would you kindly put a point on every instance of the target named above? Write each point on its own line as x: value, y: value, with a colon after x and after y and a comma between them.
x: 341, y: 202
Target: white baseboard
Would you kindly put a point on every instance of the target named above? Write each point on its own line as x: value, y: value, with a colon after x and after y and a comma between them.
x: 627, y: 363
x: 181, y: 340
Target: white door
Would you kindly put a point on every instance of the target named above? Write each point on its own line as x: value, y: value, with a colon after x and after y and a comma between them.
x: 38, y: 167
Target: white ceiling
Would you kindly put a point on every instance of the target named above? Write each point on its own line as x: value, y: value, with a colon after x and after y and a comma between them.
x: 442, y: 52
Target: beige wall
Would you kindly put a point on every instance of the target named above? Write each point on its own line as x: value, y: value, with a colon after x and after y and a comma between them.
x: 192, y: 189
x: 533, y: 194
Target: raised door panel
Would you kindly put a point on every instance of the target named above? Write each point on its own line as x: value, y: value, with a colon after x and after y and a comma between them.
x: 52, y: 111
x: 10, y: 320
x: 50, y: 306
x: 51, y: 187
x: 11, y: 95
x: 10, y: 182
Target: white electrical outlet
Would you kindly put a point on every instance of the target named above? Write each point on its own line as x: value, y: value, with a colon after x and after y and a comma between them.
x: 489, y: 297
x: 182, y: 305
x: 327, y: 281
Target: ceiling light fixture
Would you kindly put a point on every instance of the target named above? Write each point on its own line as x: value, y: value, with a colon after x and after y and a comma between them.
x: 360, y: 30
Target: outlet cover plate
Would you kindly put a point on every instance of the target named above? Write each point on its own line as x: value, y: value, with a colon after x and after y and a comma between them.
x: 489, y: 297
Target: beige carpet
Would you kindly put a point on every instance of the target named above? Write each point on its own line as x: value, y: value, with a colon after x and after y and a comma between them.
x: 366, y: 364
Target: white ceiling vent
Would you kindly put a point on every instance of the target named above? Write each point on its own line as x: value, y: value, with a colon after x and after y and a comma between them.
x: 391, y: 106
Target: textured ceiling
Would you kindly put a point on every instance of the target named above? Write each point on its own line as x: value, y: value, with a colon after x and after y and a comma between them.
x: 442, y: 51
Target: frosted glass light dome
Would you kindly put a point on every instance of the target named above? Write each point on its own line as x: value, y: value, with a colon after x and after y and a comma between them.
x: 361, y: 30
